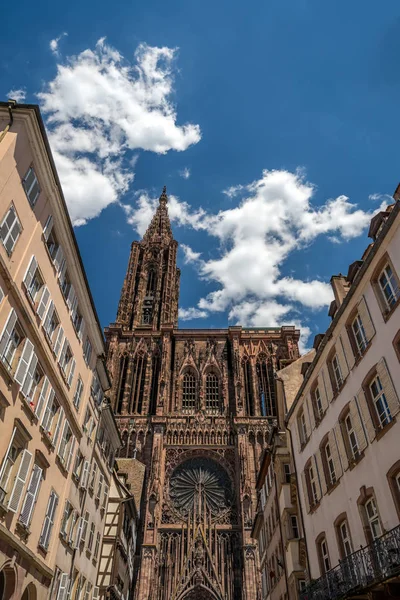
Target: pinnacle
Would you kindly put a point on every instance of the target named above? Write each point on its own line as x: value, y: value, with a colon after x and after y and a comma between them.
x: 164, y: 194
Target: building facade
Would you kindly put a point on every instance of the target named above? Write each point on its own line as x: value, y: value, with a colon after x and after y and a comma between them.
x: 58, y: 438
x: 344, y: 424
x: 196, y: 407
x: 117, y: 557
x: 278, y: 526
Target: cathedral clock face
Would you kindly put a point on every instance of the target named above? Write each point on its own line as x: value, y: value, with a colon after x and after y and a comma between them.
x: 200, y: 485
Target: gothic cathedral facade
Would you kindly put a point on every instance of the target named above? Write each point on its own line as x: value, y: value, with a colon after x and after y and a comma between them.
x: 197, y: 407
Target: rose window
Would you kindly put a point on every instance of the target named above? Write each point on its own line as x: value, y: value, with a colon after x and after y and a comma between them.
x: 200, y: 483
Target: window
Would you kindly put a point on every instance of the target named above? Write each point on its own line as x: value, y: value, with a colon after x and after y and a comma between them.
x: 78, y: 466
x: 87, y: 351
x: 380, y: 402
x: 359, y: 335
x: 78, y: 392
x: 389, y: 286
x: 188, y: 391
x: 373, y: 518
x: 14, y: 471
x: 67, y: 446
x: 69, y: 524
x: 302, y: 585
x: 248, y: 388
x: 77, y: 321
x: 324, y: 556
x: 33, y: 280
x: 212, y: 392
x: 88, y: 590
x: 93, y: 477
x: 138, y: 381
x: 351, y: 437
x: 67, y: 362
x: 302, y: 427
x: 48, y: 520
x: 96, y: 390
x: 330, y: 464
x: 52, y: 418
x: 10, y: 340
x: 266, y: 386
x: 99, y: 486
x: 337, y: 372
x: 31, y: 186
x: 317, y: 401
x: 286, y: 473
x: 294, y: 526
x: 91, y: 537
x: 393, y: 477
x: 312, y: 480
x: 10, y: 230
x: 51, y: 323
x: 346, y: 544
x: 97, y: 546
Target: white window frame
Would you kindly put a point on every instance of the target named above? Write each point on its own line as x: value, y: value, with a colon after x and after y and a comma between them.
x: 326, y: 561
x: 10, y: 233
x: 330, y: 463
x: 313, y: 484
x: 347, y: 544
x: 351, y: 437
x: 302, y: 427
x: 29, y: 190
x: 391, y: 284
x: 318, y: 402
x: 359, y: 334
x: 373, y: 519
x: 337, y: 371
x: 379, y: 397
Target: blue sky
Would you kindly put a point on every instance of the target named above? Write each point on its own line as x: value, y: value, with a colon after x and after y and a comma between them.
x: 282, y: 115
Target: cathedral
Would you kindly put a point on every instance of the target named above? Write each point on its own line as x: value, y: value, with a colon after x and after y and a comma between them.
x: 197, y: 407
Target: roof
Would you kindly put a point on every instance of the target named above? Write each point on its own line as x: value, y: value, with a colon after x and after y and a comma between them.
x: 353, y: 288
x: 35, y: 108
x: 135, y: 472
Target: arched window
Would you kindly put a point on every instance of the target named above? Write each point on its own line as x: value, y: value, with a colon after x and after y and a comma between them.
x: 138, y: 381
x: 123, y: 368
x: 266, y: 386
x: 212, y: 393
x: 151, y: 281
x: 248, y: 390
x: 189, y: 392
x: 155, y: 372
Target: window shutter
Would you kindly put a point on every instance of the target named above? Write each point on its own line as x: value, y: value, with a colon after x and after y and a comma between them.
x: 366, y: 416
x: 31, y: 186
x: 310, y: 410
x: 24, y: 361
x: 63, y: 352
x: 71, y: 296
x: 59, y: 339
x: 320, y: 473
x: 348, y: 351
x: 41, y: 310
x: 1, y: 295
x: 30, y: 272
x: 63, y: 270
x: 81, y: 331
x: 48, y: 227
x: 335, y: 454
x: 100, y: 486
x: 327, y: 385
x: 26, y: 388
x: 70, y: 452
x: 305, y: 491
x: 71, y: 372
x: 368, y: 325
x: 31, y: 495
x: 357, y: 425
x: 59, y: 258
x: 341, y: 447
x: 79, y: 530
x: 20, y: 480
x: 105, y: 496
x: 48, y: 520
x: 47, y: 413
x: 3, y: 464
x: 42, y: 397
x: 342, y: 360
x: 7, y: 331
x: 71, y: 531
x: 84, y: 527
x: 388, y: 388
x: 63, y: 440
x: 58, y: 428
x: 95, y: 595
x: 63, y: 589
x: 85, y: 474
x: 74, y: 307
x: 322, y: 391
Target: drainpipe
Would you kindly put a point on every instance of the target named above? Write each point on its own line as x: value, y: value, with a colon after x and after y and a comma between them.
x: 11, y: 104
x: 281, y: 533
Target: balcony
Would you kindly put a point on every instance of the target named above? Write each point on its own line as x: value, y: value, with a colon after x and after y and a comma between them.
x: 362, y: 570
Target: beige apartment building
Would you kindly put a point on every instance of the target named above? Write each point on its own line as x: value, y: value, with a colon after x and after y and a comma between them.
x: 117, y: 560
x: 278, y: 524
x: 58, y: 435
x: 345, y: 430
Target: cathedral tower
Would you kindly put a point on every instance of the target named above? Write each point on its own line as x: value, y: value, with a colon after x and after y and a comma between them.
x: 197, y: 407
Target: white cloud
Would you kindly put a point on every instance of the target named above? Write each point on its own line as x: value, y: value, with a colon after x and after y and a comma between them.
x: 274, y: 219
x: 185, y: 173
x: 18, y: 95
x: 186, y: 314
x: 190, y: 256
x: 99, y: 107
x: 54, y: 43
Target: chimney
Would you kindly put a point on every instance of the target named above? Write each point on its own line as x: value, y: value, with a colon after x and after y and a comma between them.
x: 340, y: 287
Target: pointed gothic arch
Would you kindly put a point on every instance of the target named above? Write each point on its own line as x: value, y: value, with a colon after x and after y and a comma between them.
x: 212, y: 388
x: 189, y: 390
x: 139, y: 367
x: 266, y: 385
x: 248, y: 386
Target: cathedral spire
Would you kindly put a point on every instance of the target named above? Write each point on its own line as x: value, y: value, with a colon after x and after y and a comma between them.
x: 160, y: 229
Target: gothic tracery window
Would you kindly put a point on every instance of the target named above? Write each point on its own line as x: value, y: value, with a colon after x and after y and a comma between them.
x: 151, y: 282
x: 189, y: 391
x: 155, y: 373
x: 248, y: 390
x: 138, y: 381
x: 122, y: 379
x: 212, y: 393
x: 266, y: 386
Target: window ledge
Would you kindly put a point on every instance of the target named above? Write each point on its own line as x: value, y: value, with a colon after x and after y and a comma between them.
x: 6, y: 374
x: 22, y: 531
x: 388, y: 313
x: 333, y: 487
x: 314, y: 507
x: 60, y: 463
x: 354, y: 461
x: 29, y: 408
x: 383, y: 431
x: 46, y: 437
x: 361, y: 356
x: 303, y: 444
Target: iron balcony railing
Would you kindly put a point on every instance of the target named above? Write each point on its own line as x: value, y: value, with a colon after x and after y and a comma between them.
x: 369, y: 566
